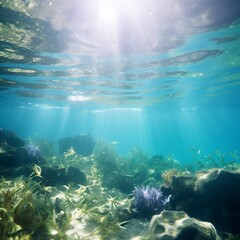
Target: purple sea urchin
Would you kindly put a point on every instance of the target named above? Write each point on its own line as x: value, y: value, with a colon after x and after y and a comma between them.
x: 149, y: 201
x: 32, y: 150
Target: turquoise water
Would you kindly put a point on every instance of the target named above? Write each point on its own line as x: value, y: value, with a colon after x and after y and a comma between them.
x: 163, y: 77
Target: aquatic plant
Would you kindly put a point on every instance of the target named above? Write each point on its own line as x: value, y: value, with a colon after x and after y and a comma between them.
x: 149, y: 201
x: 216, y: 159
x: 37, y: 171
x: 170, y: 161
x: 106, y: 162
x: 113, y: 202
x: 108, y: 227
x: 69, y: 152
x: 137, y: 160
x: 168, y: 174
x: 22, y: 212
x: 105, y: 156
x: 89, y: 212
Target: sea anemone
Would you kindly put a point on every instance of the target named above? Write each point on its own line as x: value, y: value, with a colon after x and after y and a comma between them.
x: 33, y: 150
x: 149, y: 201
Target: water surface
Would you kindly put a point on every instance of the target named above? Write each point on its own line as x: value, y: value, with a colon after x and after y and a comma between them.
x: 159, y: 75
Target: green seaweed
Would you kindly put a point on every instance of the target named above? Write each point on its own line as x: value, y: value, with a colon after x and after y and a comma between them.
x: 216, y: 159
x: 22, y: 211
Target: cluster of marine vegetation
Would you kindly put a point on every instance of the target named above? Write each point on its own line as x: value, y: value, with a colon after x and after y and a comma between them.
x: 216, y: 159
x: 83, y: 196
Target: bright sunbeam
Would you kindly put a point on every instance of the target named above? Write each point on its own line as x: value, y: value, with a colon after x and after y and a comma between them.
x: 123, y: 25
x: 107, y: 11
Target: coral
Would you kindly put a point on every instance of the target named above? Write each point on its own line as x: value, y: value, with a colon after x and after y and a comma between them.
x: 149, y: 201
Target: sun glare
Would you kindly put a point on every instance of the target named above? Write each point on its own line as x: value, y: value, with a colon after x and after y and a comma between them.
x: 120, y: 25
x: 107, y: 11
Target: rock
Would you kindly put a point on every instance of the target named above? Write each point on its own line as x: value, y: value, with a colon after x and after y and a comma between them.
x: 8, y: 138
x: 125, y: 184
x: 133, y: 227
x: 177, y: 225
x: 82, y: 144
x: 211, y: 195
x: 15, y: 152
x: 62, y: 176
x: 50, y: 176
x: 155, y: 159
x: 115, y: 180
x: 19, y: 171
x: 140, y: 177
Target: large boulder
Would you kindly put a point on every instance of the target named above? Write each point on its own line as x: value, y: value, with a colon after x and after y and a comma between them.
x: 211, y: 195
x: 8, y: 138
x: 15, y: 152
x: 177, y: 225
x: 62, y: 176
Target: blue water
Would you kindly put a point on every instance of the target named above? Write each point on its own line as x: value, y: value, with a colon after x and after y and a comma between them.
x: 160, y: 83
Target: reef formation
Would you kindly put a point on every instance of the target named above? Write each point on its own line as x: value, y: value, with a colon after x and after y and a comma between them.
x: 98, y: 194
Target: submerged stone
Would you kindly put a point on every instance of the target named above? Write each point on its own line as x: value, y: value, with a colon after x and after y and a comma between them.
x: 15, y: 152
x: 177, y: 225
x: 10, y: 139
x: 211, y: 195
x: 62, y: 176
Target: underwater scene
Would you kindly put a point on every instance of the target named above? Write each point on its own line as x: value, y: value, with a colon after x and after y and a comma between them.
x: 120, y: 119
